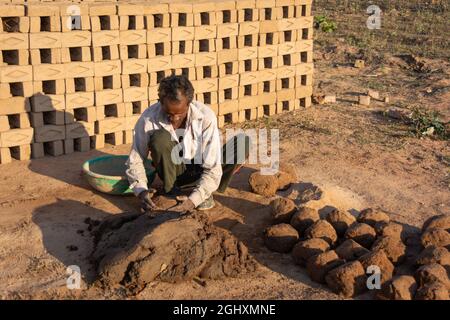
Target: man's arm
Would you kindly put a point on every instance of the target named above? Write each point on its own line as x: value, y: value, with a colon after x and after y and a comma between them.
x: 212, y: 168
x: 135, y: 164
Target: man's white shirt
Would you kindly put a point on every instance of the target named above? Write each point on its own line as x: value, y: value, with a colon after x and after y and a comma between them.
x: 201, y: 141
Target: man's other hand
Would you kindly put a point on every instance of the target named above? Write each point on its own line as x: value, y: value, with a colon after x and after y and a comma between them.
x: 185, y: 206
x: 147, y: 204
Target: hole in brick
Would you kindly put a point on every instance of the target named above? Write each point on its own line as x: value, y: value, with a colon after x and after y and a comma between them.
x: 45, y: 23
x: 266, y: 86
x: 266, y: 109
x: 135, y: 80
x: 75, y: 54
x: 109, y: 138
x: 14, y: 121
x: 303, y: 10
x: 49, y: 86
x: 288, y: 35
x: 106, y: 53
x: 105, y: 23
x: 225, y: 43
x: 248, y: 65
x: 285, y: 12
x: 133, y: 51
x: 92, y: 142
x: 49, y: 147
x: 182, y: 47
x: 15, y: 153
x: 158, y: 20
x: 248, y: 14
x: 207, y: 97
x: 248, y: 40
x: 49, y: 117
x: 287, y: 60
x: 107, y: 82
x: 269, y: 38
x: 11, y: 24
x: 136, y: 107
x: 207, y: 72
x: 228, y: 118
x: 303, y: 102
x: 80, y: 114
x: 267, y: 13
x: 204, y: 45
x: 304, y: 56
x: 17, y: 89
x: 131, y: 22
x: 80, y: 84
x: 285, y: 83
x: 226, y: 16
x: 267, y: 62
x: 182, y: 19
x: 159, y: 49
x: 111, y: 110
x: 229, y: 68
x: 185, y: 72
x: 285, y: 105
x: 248, y: 114
x: 248, y: 90
x: 228, y: 94
x: 303, y: 80
x: 305, y: 34
x: 11, y: 57
x: 159, y: 76
x: 204, y: 17
x: 45, y: 55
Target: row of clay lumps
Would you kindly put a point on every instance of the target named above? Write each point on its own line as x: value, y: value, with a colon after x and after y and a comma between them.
x: 341, y: 250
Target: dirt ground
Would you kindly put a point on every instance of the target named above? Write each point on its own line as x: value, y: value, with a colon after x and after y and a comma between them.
x: 358, y: 157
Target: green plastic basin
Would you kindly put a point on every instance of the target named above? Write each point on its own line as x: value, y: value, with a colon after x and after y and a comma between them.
x: 107, y: 174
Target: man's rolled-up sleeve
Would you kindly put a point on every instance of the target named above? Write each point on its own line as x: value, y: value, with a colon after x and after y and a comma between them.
x: 212, y: 168
x: 135, y: 164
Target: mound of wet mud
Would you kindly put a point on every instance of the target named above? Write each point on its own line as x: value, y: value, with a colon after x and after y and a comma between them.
x: 133, y: 250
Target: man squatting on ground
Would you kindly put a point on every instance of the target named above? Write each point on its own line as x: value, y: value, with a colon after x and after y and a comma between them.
x: 183, y: 140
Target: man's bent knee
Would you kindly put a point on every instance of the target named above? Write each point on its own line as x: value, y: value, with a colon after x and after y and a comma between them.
x: 161, y: 140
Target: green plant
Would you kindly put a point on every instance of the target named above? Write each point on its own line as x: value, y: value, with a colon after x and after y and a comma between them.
x: 425, y: 122
x: 325, y: 24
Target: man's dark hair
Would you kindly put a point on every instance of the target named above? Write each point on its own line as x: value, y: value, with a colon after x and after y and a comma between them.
x: 171, y: 87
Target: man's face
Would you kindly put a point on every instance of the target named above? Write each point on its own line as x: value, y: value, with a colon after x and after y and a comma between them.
x: 176, y: 110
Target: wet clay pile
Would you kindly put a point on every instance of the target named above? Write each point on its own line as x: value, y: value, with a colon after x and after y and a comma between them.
x: 338, y: 249
x: 133, y: 250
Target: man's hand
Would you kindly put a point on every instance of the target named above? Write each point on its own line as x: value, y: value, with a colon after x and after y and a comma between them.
x: 185, y: 206
x: 147, y: 204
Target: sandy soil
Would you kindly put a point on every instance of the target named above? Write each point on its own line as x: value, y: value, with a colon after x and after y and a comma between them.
x: 355, y: 155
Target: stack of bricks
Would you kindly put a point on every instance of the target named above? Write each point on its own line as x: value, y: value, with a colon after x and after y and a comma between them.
x: 16, y: 75
x: 77, y: 75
